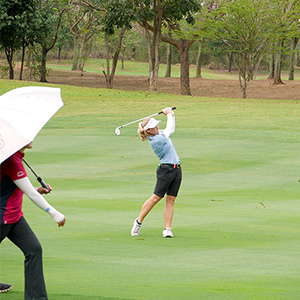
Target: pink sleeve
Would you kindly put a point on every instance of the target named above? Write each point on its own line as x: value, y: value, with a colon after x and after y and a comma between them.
x: 15, y: 169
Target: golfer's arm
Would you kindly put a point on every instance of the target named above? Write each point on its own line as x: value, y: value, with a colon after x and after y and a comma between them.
x: 170, y: 125
x: 25, y: 185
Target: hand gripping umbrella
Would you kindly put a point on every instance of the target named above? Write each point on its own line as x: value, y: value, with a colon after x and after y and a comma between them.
x: 117, y: 130
x: 23, y: 113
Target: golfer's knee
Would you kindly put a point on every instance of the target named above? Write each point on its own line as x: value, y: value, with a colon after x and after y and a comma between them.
x: 34, y: 251
x: 155, y: 198
x: 170, y: 199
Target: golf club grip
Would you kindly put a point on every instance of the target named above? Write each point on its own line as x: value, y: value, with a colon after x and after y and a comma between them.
x: 162, y: 112
x: 43, y: 183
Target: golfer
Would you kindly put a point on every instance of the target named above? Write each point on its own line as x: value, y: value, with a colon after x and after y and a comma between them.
x: 13, y: 184
x: 168, y: 173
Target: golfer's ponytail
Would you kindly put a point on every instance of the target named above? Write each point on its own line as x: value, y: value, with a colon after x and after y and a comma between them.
x: 142, y: 133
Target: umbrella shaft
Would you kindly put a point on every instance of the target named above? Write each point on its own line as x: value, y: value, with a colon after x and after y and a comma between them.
x: 30, y: 168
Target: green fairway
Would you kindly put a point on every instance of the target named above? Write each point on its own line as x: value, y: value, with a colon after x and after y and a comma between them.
x: 236, y: 230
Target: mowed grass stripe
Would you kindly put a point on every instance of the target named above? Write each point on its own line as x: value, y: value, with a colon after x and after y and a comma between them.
x: 236, y: 218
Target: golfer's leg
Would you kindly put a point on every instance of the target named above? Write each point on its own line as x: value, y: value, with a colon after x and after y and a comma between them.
x: 169, y: 210
x: 23, y: 237
x: 4, y: 230
x: 148, y: 205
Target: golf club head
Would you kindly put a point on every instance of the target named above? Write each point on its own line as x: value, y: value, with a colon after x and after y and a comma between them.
x: 117, y: 131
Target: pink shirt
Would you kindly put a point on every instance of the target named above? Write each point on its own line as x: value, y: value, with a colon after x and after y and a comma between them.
x: 11, y: 197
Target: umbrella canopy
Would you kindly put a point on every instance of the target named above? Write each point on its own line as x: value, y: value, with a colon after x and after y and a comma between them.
x: 23, y: 113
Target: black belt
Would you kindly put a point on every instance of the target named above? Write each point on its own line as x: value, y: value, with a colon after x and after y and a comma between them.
x: 175, y: 166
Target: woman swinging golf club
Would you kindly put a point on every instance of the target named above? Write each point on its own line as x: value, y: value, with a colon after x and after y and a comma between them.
x: 168, y: 173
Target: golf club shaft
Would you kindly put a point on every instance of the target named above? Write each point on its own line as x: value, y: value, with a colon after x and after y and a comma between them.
x: 39, y: 179
x: 144, y: 118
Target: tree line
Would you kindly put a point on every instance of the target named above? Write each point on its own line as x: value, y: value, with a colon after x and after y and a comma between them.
x: 246, y: 32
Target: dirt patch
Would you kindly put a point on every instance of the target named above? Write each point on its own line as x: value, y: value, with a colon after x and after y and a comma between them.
x: 258, y: 89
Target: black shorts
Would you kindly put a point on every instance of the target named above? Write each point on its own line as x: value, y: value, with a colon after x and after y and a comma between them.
x: 168, y: 180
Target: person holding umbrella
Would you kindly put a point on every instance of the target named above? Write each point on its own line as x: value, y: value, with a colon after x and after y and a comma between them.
x: 13, y: 184
x: 168, y: 173
x: 23, y: 113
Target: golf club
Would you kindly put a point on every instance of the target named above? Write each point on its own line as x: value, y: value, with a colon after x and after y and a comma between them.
x: 117, y: 130
x: 39, y: 179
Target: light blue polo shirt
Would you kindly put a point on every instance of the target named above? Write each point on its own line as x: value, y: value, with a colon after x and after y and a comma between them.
x: 163, y: 148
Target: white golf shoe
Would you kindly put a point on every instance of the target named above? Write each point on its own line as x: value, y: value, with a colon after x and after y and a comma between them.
x: 167, y: 232
x: 135, y: 231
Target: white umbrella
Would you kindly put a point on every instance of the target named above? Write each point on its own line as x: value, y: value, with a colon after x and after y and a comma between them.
x: 23, y: 113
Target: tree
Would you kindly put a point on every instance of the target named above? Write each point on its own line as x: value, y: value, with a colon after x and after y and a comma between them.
x: 179, y: 16
x: 294, y: 43
x: 169, y: 55
x: 123, y: 13
x: 246, y: 27
x: 30, y: 23
x: 83, y: 23
x: 107, y: 29
x: 272, y: 66
x: 18, y: 25
x: 109, y: 75
x: 293, y: 35
x: 152, y: 15
x: 199, y: 58
x: 64, y: 37
x: 288, y: 27
x: 51, y: 12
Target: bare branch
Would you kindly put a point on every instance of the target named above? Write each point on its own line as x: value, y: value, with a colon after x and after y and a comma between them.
x: 87, y: 4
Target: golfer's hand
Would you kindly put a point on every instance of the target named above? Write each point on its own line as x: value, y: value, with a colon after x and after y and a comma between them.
x: 166, y: 111
x: 43, y: 190
x: 62, y: 223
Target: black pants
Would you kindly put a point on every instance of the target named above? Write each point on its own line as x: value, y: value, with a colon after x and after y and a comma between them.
x: 22, y: 236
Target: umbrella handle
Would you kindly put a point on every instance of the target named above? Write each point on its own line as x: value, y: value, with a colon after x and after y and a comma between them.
x: 43, y: 183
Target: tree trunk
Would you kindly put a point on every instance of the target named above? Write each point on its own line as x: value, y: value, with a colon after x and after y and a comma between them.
x: 156, y: 61
x: 153, y: 52
x: 230, y: 58
x: 278, y: 62
x: 75, y: 53
x: 169, y: 60
x: 258, y: 64
x: 59, y: 53
x: 43, y: 63
x: 272, y: 67
x: 156, y: 39
x: 22, y: 61
x: 107, y: 73
x: 110, y: 77
x: 293, y: 55
x: 185, y: 68
x: 298, y: 59
x: 243, y: 64
x: 147, y: 33
x: 122, y: 57
x: 9, y: 52
x: 244, y: 85
x: 199, y: 58
x: 169, y: 55
x: 81, y: 46
x: 27, y: 60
